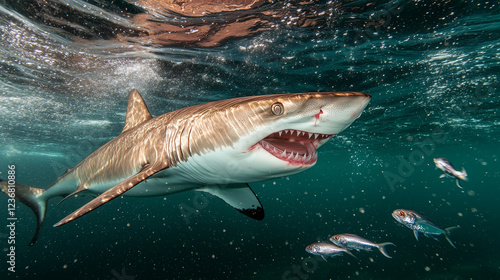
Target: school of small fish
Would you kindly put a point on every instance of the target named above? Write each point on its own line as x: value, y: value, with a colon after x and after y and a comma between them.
x: 342, y: 243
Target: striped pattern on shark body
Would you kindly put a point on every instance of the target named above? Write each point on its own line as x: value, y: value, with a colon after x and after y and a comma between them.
x: 217, y: 147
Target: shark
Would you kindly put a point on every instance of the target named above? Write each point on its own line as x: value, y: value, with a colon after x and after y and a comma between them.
x: 217, y: 148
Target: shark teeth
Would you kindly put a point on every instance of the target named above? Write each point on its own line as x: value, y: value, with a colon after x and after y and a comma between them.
x: 300, y: 133
x: 304, y: 155
x: 292, y: 157
x: 296, y: 157
x: 308, y: 158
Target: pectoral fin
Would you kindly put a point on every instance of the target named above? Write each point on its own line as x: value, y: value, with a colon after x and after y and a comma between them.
x: 239, y: 196
x: 416, y: 234
x: 114, y: 192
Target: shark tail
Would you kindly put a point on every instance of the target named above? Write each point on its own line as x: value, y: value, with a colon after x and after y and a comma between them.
x: 446, y: 235
x: 381, y: 248
x: 31, y: 197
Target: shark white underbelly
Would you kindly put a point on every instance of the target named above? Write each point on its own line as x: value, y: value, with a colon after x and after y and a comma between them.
x: 218, y: 147
x: 214, y: 168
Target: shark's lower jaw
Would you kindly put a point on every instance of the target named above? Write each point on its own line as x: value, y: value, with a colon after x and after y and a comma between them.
x: 294, y: 146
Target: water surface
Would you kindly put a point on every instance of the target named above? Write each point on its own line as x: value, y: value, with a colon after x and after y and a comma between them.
x: 432, y: 68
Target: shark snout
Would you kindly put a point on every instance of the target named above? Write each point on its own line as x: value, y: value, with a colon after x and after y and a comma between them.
x: 340, y: 112
x: 362, y: 105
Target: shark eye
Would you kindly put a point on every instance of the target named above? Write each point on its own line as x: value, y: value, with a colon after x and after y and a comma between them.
x: 401, y: 213
x: 278, y: 109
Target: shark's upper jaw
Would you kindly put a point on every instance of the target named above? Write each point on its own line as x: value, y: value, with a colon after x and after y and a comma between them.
x: 295, y: 147
x: 304, y: 123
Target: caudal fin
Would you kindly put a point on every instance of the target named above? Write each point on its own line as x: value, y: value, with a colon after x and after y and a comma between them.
x: 31, y: 197
x: 464, y: 174
x: 381, y: 247
x: 446, y: 235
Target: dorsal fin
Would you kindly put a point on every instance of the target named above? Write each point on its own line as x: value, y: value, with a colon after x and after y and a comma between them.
x: 137, y: 112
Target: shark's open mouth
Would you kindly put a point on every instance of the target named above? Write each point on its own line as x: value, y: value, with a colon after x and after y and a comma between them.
x: 294, y: 146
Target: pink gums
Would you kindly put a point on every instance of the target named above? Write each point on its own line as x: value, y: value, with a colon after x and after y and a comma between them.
x: 295, y: 147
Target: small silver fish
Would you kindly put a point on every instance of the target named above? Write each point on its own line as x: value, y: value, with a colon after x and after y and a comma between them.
x: 324, y: 249
x: 450, y: 171
x: 352, y: 241
x: 419, y: 223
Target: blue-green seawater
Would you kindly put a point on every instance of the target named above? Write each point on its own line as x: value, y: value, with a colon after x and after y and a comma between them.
x: 432, y: 68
